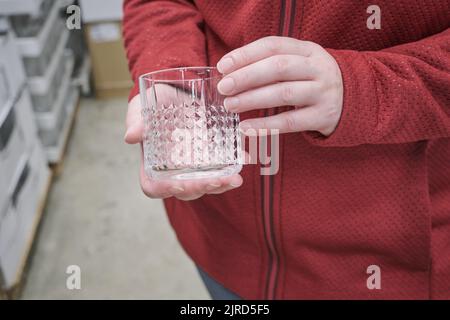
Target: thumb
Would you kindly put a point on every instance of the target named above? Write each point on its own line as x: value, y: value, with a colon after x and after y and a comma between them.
x: 134, y: 121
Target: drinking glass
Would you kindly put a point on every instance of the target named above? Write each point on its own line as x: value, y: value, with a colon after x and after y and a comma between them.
x: 188, y: 134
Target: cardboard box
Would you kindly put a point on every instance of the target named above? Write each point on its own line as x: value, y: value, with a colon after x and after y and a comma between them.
x: 109, y: 63
x: 101, y: 10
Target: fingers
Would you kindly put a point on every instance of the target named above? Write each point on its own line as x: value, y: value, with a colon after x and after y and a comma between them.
x: 269, y: 70
x: 228, y: 183
x: 291, y: 93
x: 161, y: 189
x: 150, y: 188
x: 194, y: 189
x: 305, y: 119
x: 187, y: 190
x: 261, y: 49
x: 134, y: 122
x: 182, y: 189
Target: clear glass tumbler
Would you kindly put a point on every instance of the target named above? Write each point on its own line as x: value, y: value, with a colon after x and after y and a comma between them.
x: 188, y: 134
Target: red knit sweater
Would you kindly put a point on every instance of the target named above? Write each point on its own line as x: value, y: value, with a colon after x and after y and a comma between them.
x: 376, y: 192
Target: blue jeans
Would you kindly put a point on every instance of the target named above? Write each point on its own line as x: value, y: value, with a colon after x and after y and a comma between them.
x: 215, y: 289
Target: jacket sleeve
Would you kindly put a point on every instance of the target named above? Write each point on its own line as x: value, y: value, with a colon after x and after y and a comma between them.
x: 162, y: 34
x: 396, y: 95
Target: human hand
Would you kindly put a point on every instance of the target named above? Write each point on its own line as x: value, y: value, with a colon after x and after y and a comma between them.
x: 281, y: 71
x: 181, y: 189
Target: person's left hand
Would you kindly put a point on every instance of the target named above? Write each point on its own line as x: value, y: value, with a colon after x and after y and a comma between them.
x: 281, y: 71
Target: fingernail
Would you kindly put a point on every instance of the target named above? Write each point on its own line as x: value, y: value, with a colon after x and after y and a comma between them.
x: 176, y: 190
x: 224, y: 65
x: 235, y: 185
x: 130, y: 128
x: 125, y: 136
x: 212, y: 186
x: 226, y: 85
x: 231, y: 103
x: 244, y: 126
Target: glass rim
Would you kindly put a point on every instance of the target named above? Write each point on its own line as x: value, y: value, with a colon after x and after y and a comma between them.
x: 145, y: 76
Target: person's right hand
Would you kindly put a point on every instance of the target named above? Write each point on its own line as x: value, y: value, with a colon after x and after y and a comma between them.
x: 181, y: 189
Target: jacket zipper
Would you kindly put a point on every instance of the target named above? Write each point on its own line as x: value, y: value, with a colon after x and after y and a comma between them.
x: 287, y: 16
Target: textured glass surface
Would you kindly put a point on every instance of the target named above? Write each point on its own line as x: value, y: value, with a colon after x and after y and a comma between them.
x: 188, y: 133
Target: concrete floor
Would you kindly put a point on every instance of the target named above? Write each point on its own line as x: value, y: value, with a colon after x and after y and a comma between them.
x: 97, y: 218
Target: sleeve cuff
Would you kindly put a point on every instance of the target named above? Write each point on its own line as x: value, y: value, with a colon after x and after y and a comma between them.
x: 360, y: 107
x: 134, y: 91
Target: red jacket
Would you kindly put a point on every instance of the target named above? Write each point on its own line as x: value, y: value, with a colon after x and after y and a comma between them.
x: 376, y: 192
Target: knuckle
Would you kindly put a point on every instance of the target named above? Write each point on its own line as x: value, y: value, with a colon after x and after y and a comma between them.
x: 242, y: 56
x: 272, y: 44
x: 312, y: 47
x: 311, y: 92
x: 330, y: 85
x: 291, y: 124
x: 287, y: 94
x: 264, y: 125
x: 148, y: 193
x: 281, y: 65
x: 312, y: 67
x: 322, y: 86
x: 310, y: 43
x: 332, y: 112
x: 308, y: 62
x: 241, y: 78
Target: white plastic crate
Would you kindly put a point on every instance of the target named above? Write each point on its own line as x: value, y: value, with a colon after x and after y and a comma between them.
x: 26, y: 120
x: 26, y: 25
x: 66, y: 3
x: 15, y: 7
x: 39, y: 85
x: 37, y: 66
x: 32, y: 46
x: 44, y: 90
x: 9, y: 220
x: 12, y: 74
x: 4, y: 88
x: 9, y: 227
x: 39, y: 37
x: 35, y: 190
x: 56, y: 142
x: 77, y: 44
x: 82, y: 68
x: 49, y: 120
x: 18, y: 221
x: 12, y: 147
x: 18, y: 135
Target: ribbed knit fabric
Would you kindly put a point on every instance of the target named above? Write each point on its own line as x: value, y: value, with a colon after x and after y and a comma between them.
x: 376, y: 192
